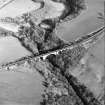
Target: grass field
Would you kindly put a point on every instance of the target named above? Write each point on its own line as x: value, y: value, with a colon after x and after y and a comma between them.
x: 83, y: 24
x: 20, y: 88
x: 25, y: 89
x: 18, y: 7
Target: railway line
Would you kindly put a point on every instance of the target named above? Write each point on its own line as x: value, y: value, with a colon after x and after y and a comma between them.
x: 85, y: 41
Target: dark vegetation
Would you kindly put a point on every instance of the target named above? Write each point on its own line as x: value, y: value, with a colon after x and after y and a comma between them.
x: 67, y: 58
x: 71, y: 58
x: 73, y: 8
x: 49, y: 23
x: 45, y: 40
x: 65, y: 94
x: 44, y: 37
x: 85, y: 95
x: 61, y: 88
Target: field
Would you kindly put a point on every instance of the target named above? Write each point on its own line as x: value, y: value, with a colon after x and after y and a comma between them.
x: 17, y: 88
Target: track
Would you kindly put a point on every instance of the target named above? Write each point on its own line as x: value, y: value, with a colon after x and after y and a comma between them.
x: 86, y: 41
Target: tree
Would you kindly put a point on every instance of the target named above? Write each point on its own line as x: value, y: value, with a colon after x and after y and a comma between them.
x: 61, y: 88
